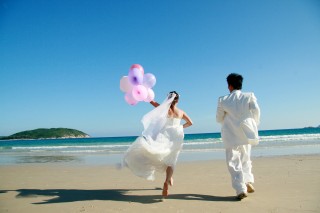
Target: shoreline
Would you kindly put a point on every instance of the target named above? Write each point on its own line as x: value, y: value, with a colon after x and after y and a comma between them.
x: 25, y: 158
x: 283, y: 184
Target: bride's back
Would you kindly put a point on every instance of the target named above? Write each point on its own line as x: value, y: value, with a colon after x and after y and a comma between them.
x: 175, y: 112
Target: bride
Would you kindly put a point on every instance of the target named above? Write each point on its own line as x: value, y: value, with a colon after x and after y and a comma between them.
x: 161, y: 141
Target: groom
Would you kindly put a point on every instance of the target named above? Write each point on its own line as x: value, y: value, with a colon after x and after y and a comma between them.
x: 231, y: 110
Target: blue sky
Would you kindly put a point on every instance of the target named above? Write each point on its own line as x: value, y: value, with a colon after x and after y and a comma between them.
x: 61, y: 61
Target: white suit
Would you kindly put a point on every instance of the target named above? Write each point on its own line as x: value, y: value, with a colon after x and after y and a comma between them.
x: 231, y: 110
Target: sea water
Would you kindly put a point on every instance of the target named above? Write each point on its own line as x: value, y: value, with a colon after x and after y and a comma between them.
x: 109, y: 150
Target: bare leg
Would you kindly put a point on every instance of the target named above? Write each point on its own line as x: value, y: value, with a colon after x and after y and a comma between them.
x: 169, y: 178
x: 168, y: 181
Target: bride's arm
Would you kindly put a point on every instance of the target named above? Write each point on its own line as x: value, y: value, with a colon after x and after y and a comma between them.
x: 187, y: 119
x: 153, y: 103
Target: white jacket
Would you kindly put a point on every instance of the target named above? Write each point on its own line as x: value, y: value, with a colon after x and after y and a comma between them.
x: 231, y: 111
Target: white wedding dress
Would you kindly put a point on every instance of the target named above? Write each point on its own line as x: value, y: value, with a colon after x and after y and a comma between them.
x: 150, y: 154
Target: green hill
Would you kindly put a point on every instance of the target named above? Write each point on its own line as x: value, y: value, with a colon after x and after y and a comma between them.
x: 47, y: 133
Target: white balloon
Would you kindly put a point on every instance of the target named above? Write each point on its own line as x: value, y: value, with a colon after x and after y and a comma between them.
x: 125, y: 84
x: 150, y: 95
x: 149, y: 80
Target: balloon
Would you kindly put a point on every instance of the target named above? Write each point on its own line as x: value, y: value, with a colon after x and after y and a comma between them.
x: 137, y: 66
x: 129, y: 98
x: 135, y: 76
x: 149, y: 80
x: 139, y: 92
x: 150, y: 95
x: 137, y: 85
x: 125, y: 84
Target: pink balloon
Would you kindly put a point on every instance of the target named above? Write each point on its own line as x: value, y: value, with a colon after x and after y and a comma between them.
x: 129, y: 99
x: 135, y: 76
x: 137, y: 66
x: 125, y: 85
x: 150, y: 95
x: 149, y: 80
x: 139, y: 92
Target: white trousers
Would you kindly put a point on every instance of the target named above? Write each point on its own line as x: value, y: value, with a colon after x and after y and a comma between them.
x: 239, y: 166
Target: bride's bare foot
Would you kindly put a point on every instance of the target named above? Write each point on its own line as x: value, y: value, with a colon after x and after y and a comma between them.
x: 165, y: 189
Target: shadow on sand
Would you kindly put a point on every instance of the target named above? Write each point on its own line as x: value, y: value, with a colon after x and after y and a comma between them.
x: 73, y: 195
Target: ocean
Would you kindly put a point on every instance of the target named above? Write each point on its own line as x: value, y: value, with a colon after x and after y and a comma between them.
x: 109, y: 150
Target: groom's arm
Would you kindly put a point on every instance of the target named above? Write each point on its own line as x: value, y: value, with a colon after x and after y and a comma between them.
x: 220, y: 112
x: 255, y: 109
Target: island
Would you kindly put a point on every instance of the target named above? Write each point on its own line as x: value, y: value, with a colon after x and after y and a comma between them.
x: 42, y: 133
x: 312, y: 127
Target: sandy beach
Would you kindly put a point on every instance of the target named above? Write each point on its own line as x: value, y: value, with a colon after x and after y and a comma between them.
x: 283, y: 184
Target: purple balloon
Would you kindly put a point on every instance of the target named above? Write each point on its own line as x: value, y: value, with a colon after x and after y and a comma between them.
x: 149, y: 80
x: 135, y: 76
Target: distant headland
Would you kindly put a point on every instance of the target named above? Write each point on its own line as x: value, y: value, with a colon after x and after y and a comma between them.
x: 312, y: 127
x: 42, y: 133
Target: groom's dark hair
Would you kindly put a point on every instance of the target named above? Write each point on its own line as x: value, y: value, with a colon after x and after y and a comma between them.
x: 235, y: 80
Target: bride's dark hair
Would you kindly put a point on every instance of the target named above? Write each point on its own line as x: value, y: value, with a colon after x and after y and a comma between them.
x: 175, y: 100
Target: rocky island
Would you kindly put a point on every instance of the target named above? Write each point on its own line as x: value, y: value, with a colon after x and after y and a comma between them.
x: 312, y: 127
x: 42, y: 133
